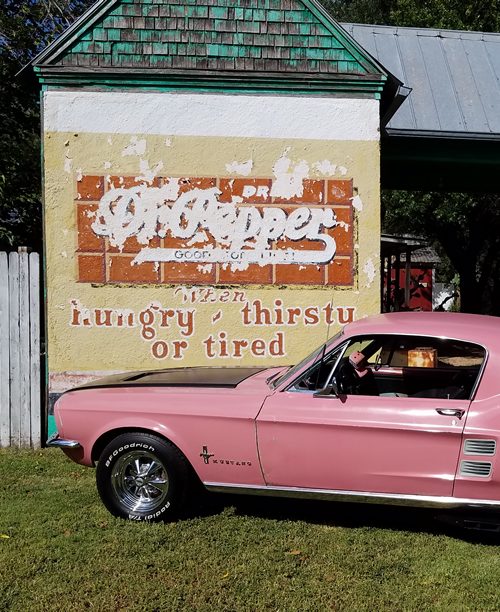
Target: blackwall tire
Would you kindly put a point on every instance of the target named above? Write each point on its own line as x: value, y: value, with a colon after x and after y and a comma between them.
x: 142, y: 477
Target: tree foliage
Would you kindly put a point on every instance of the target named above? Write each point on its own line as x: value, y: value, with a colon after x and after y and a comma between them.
x: 26, y: 27
x: 466, y: 227
x: 480, y: 15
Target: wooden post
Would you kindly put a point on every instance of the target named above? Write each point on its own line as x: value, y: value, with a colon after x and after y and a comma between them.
x: 397, y: 266
x: 4, y: 353
x: 407, y: 277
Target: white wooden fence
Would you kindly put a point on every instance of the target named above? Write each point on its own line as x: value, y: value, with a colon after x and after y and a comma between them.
x: 20, y: 398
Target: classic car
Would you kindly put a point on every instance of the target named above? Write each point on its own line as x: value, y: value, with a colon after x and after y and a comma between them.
x: 399, y: 408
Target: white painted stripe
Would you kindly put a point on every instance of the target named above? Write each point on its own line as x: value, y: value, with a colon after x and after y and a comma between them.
x: 188, y: 114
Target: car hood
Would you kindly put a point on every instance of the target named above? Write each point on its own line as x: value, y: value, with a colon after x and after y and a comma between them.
x: 177, y: 377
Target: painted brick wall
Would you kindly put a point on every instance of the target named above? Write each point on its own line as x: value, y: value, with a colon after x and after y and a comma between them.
x: 100, y: 262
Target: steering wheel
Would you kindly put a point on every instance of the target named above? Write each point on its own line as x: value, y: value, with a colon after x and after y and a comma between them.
x: 343, y: 377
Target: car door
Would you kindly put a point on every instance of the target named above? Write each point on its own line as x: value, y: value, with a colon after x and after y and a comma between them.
x: 381, y: 444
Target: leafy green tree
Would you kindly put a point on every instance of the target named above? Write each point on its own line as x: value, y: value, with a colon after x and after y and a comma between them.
x: 466, y: 227
x: 26, y: 27
x: 360, y: 11
x: 481, y: 15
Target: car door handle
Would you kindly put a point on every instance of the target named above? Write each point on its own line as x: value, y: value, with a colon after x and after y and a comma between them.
x: 453, y: 412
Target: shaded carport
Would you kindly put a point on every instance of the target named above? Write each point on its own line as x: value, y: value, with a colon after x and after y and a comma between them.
x: 445, y: 136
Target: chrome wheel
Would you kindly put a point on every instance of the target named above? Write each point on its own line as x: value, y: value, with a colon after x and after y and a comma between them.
x: 140, y: 481
x: 143, y: 477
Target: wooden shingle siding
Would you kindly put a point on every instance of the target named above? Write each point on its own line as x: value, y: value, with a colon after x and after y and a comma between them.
x: 255, y: 35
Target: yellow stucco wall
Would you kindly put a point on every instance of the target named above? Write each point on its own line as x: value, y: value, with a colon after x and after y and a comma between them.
x: 166, y: 324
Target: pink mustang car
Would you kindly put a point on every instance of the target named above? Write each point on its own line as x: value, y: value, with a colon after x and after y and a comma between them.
x: 399, y: 408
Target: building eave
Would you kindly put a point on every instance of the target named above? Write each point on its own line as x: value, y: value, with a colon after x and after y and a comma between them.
x: 317, y: 83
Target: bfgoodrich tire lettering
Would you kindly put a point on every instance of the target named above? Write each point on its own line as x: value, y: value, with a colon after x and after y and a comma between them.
x: 142, y: 477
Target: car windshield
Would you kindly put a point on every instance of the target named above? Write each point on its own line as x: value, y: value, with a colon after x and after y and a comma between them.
x: 312, y: 357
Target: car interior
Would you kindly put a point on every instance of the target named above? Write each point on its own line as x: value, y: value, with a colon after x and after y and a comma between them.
x: 400, y: 366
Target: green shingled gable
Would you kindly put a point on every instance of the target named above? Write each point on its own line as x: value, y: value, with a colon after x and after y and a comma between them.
x: 272, y: 46
x: 215, y: 35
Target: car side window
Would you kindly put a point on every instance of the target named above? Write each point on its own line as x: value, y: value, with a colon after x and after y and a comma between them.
x: 409, y: 366
x: 319, y: 374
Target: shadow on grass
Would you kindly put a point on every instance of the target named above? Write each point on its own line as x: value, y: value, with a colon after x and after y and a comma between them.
x: 477, y: 528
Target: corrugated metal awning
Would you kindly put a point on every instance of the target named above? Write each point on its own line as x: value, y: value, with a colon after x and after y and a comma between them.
x: 454, y: 76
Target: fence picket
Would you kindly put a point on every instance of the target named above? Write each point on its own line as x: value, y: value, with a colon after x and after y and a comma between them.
x: 4, y: 353
x: 24, y: 350
x: 35, y: 391
x: 15, y: 361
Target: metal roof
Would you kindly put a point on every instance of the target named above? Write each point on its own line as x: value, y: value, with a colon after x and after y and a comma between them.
x: 454, y: 76
x: 426, y: 255
x: 419, y: 249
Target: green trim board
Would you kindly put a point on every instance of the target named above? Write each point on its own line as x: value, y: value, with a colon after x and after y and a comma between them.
x: 229, y: 82
x: 51, y: 426
x: 282, y: 38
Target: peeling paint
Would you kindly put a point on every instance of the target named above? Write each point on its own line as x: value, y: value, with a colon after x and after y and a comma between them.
x: 242, y: 168
x: 68, y: 163
x: 370, y: 271
x: 289, y: 177
x: 148, y: 174
x: 205, y: 269
x: 136, y: 147
x: 325, y: 167
x: 357, y: 203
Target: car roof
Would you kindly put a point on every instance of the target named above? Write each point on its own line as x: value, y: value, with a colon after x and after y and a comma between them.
x: 479, y: 329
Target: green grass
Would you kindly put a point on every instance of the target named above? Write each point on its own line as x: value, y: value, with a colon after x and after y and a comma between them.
x: 61, y: 550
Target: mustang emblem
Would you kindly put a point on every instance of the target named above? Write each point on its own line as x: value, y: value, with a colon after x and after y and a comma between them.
x: 206, y: 459
x: 206, y: 455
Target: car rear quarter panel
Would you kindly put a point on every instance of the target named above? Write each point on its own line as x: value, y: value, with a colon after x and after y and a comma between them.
x: 220, y: 419
x: 483, y: 423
